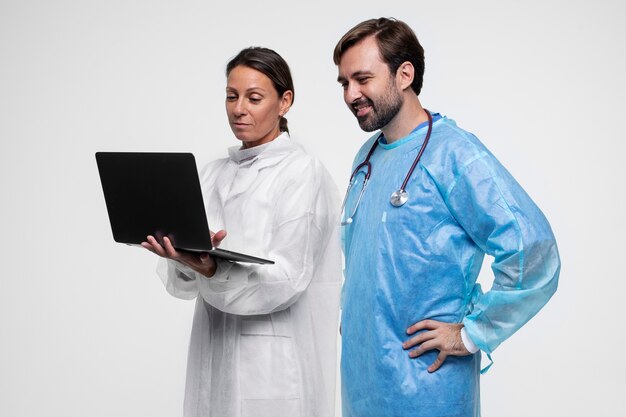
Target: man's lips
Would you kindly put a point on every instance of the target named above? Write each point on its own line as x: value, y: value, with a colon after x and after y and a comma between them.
x: 361, y: 108
x: 362, y: 111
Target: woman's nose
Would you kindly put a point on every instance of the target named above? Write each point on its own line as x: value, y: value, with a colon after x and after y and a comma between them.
x: 240, y: 108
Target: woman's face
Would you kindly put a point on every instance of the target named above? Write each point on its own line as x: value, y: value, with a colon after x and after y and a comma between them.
x: 253, y: 106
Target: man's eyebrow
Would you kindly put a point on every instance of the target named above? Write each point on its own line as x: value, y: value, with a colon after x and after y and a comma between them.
x: 355, y: 74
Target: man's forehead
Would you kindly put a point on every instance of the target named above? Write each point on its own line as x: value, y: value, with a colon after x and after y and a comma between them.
x: 362, y: 57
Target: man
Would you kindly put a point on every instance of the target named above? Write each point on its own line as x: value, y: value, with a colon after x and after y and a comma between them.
x: 413, y: 318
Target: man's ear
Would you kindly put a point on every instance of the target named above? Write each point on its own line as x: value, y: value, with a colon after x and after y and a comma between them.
x: 405, y: 75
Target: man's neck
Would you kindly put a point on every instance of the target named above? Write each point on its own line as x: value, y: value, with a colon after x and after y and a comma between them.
x: 411, y: 114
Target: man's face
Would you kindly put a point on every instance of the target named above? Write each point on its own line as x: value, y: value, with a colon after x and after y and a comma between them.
x: 369, y: 89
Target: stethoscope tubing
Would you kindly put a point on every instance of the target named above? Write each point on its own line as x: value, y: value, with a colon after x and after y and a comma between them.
x: 368, y: 172
x: 421, y: 151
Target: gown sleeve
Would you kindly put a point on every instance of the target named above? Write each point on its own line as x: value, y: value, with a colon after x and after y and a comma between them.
x: 304, y: 220
x: 179, y: 280
x: 505, y: 223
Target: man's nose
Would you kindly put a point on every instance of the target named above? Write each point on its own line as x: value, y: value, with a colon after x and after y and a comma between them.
x: 352, y: 93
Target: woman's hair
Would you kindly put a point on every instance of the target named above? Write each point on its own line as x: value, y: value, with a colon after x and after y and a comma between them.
x: 272, y: 65
x: 396, y: 41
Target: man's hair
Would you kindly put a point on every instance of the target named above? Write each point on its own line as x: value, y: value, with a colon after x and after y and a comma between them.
x: 396, y: 41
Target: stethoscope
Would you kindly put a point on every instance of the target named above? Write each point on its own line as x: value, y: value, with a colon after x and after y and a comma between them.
x: 399, y: 197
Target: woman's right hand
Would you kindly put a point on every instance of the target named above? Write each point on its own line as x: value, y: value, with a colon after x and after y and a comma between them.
x: 202, y: 262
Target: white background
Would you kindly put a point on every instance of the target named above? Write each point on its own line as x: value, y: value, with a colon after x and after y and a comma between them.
x: 86, y: 328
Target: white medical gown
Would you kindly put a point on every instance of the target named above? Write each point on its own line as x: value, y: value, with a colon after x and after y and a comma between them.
x: 263, y: 341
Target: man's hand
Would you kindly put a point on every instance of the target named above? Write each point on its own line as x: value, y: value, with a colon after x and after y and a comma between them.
x: 199, y: 262
x: 445, y: 337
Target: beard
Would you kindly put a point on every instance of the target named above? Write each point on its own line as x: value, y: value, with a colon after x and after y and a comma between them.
x: 384, y: 109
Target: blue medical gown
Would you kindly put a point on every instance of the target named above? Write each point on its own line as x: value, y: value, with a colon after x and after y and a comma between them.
x: 421, y: 261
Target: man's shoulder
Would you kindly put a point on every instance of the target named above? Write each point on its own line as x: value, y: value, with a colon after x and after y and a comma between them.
x: 448, y: 134
x: 450, y: 141
x: 450, y: 150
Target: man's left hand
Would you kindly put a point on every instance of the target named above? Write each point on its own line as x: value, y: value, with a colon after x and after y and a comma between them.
x: 445, y: 337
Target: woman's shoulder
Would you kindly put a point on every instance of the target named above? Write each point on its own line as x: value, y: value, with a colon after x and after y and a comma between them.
x: 213, y: 168
x: 303, y: 177
x: 302, y: 161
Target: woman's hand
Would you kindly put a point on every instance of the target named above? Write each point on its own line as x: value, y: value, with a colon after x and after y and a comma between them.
x: 217, y: 237
x: 202, y: 262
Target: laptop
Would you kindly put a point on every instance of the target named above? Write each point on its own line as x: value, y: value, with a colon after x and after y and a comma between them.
x: 159, y: 194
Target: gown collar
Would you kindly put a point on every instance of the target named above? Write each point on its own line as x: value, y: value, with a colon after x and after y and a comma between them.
x: 246, y: 164
x: 417, y: 132
x: 280, y: 145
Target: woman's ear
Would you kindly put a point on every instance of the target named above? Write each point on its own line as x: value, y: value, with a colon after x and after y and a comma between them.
x: 285, y: 102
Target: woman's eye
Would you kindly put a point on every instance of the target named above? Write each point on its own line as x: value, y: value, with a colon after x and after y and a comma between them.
x: 231, y: 98
x: 255, y: 99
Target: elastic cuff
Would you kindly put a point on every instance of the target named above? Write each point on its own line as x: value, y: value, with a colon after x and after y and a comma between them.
x: 222, y: 270
x: 188, y: 273
x: 467, y: 342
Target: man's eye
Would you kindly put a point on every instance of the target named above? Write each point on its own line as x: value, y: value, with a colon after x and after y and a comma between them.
x: 363, y: 80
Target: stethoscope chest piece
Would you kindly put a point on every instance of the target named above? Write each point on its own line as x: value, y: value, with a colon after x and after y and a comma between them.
x: 398, y: 198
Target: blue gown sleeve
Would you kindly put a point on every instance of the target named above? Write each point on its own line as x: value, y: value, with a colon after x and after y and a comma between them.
x: 505, y: 223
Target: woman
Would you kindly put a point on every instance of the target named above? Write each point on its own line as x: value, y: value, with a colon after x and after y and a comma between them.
x: 264, y: 336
